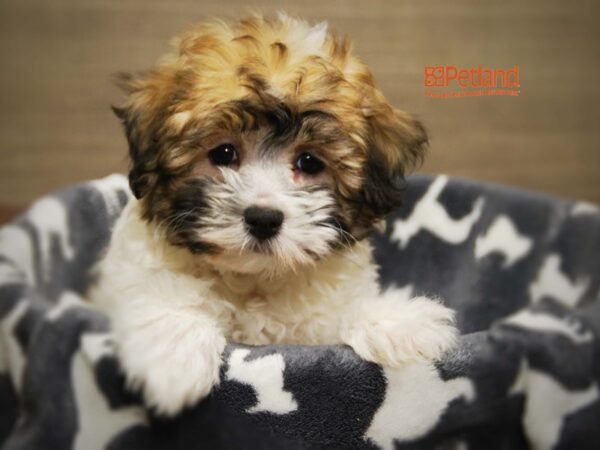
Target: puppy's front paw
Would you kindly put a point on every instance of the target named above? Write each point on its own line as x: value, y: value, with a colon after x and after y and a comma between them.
x: 394, y: 331
x: 174, y: 364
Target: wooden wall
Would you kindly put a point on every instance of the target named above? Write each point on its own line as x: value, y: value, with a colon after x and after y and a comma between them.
x: 58, y: 56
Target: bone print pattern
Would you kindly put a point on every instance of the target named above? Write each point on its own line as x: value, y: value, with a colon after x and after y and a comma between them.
x: 520, y: 269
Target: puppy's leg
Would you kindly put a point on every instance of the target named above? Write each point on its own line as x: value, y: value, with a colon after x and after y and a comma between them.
x: 392, y: 330
x: 171, y: 352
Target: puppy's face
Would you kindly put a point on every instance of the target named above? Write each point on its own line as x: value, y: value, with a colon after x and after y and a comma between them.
x: 265, y: 145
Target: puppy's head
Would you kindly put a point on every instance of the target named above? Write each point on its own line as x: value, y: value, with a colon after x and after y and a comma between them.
x: 265, y: 144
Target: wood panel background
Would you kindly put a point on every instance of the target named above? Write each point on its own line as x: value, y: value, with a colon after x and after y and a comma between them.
x: 58, y: 57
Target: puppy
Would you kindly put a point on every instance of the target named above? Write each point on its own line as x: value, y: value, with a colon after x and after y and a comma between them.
x: 262, y: 156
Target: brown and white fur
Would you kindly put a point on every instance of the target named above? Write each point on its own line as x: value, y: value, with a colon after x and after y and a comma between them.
x: 276, y: 115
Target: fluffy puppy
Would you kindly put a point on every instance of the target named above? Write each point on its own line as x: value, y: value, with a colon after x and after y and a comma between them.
x: 262, y: 156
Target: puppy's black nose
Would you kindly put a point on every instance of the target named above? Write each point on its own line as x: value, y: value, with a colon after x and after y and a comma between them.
x: 263, y: 223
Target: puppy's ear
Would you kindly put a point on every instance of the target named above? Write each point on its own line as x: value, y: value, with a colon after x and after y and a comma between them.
x: 137, y: 182
x: 140, y: 116
x: 397, y: 142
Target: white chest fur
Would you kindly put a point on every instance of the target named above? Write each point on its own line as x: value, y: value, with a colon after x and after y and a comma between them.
x: 296, y: 307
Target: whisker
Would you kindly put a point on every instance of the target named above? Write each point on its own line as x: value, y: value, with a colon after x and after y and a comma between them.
x: 336, y: 226
x: 175, y: 221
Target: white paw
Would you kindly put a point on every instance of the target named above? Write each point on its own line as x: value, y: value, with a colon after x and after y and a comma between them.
x: 174, y: 363
x: 393, y: 331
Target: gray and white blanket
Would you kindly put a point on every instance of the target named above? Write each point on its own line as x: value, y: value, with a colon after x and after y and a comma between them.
x: 520, y: 269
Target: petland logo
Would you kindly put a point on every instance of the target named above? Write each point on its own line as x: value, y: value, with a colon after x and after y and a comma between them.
x: 453, y: 82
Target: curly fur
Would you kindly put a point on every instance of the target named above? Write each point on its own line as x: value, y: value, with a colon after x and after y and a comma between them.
x: 182, y: 275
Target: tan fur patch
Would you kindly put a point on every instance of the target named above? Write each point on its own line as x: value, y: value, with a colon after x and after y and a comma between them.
x: 226, y: 78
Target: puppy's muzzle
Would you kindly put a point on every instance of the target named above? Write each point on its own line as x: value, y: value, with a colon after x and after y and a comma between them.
x: 263, y: 223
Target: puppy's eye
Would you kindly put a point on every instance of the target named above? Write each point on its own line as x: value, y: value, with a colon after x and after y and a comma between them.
x: 309, y: 164
x: 224, y: 155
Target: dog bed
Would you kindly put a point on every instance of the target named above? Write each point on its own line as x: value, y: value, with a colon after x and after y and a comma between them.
x: 521, y: 270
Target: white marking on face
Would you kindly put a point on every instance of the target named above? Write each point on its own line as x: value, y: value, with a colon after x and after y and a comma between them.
x: 306, y: 231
